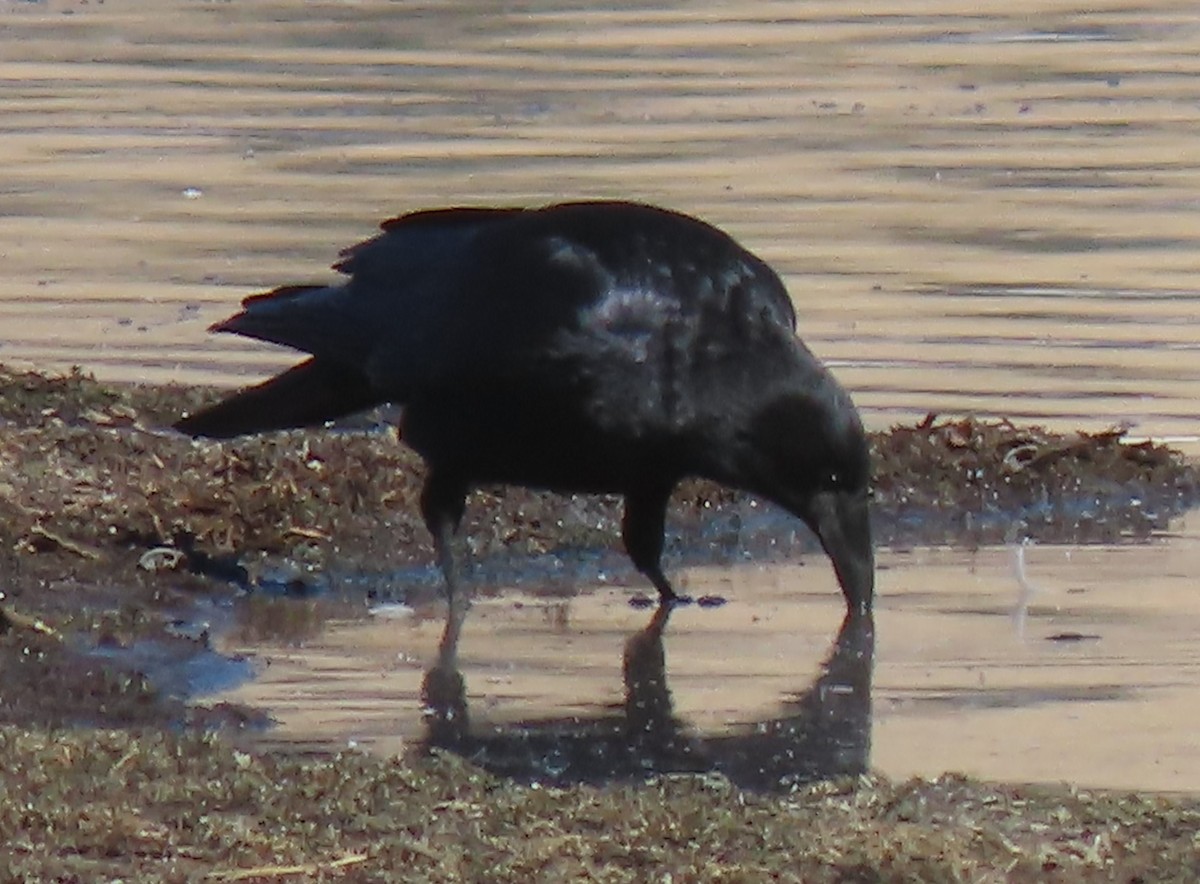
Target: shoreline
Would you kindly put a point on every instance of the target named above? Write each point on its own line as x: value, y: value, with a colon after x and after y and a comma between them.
x: 90, y: 483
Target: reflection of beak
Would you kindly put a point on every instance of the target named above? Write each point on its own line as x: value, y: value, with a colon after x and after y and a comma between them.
x: 842, y: 521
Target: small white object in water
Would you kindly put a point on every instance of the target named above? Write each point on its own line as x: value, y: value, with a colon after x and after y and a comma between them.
x: 1028, y: 590
x: 192, y: 193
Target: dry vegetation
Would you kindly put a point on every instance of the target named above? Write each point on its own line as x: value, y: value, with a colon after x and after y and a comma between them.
x: 88, y: 806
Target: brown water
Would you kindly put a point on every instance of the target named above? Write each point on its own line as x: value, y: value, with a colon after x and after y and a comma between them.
x: 990, y: 211
x: 1086, y: 671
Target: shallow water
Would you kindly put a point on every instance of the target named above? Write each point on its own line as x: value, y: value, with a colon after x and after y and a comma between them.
x: 990, y: 211
x: 1082, y: 669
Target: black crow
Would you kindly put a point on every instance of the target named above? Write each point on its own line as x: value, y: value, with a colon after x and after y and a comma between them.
x: 583, y: 347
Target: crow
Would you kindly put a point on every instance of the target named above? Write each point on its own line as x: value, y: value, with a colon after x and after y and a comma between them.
x: 594, y: 347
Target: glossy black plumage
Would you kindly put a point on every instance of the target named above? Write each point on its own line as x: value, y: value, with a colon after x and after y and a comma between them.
x: 605, y: 347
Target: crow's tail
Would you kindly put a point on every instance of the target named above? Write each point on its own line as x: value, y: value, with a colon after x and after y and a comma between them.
x: 313, y: 392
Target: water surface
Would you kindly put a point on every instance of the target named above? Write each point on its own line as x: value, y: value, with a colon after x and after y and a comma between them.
x: 1082, y: 669
x: 990, y: 211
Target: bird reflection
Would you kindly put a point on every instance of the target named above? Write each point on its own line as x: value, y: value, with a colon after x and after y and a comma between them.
x: 822, y: 731
x: 444, y: 691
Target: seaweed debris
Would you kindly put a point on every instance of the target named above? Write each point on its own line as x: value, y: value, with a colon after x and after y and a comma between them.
x: 975, y: 481
x: 87, y: 472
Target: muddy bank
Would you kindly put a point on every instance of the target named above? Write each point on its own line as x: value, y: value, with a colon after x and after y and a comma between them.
x: 115, y: 531
x: 91, y: 470
x: 123, y: 547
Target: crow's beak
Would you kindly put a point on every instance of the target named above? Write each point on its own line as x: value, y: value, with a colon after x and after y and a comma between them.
x: 841, y: 520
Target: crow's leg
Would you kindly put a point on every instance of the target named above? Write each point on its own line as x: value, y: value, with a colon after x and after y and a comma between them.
x: 642, y: 531
x: 443, y: 501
